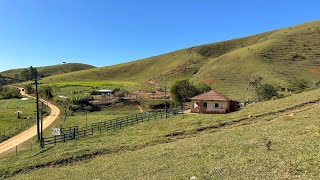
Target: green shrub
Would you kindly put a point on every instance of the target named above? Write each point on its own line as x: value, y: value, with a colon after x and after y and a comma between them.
x: 9, y: 92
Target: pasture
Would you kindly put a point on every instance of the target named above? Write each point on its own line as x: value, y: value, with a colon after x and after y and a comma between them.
x: 190, y: 139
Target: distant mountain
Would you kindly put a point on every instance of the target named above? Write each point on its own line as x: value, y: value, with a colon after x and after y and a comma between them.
x: 46, y: 71
x: 282, y: 57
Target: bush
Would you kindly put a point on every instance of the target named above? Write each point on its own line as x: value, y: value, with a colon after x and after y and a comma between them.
x: 299, y: 85
x: 9, y: 92
x: 202, y: 88
x: 267, y: 92
x: 29, y: 89
x: 316, y: 84
x: 46, y: 92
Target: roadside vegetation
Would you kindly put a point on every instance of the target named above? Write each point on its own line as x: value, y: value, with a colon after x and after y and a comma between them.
x: 7, y: 92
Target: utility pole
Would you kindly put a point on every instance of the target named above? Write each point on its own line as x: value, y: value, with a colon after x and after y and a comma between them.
x: 37, y: 108
x: 39, y: 121
x: 165, y: 100
x: 41, y: 125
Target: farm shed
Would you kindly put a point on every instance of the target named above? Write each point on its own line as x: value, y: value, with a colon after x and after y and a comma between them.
x: 212, y: 102
x: 106, y: 92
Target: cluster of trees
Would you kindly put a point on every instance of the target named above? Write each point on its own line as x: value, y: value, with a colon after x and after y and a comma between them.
x: 183, y: 90
x: 29, y: 74
x: 2, y: 80
x: 263, y: 91
x: 9, y: 92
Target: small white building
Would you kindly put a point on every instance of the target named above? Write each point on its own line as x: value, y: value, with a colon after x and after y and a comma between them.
x: 106, y: 92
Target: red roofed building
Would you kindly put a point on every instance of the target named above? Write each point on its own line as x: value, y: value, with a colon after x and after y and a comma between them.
x: 212, y: 102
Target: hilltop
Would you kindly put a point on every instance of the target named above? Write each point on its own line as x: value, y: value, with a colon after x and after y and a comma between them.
x: 282, y: 57
x: 50, y: 70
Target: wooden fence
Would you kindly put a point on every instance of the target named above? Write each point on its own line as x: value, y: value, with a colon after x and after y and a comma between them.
x: 74, y: 132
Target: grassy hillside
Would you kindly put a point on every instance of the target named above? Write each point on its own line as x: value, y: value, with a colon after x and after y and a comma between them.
x: 282, y: 57
x: 205, y: 146
x: 50, y: 70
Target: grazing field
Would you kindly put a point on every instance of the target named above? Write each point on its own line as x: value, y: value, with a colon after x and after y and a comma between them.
x: 205, y: 146
x: 8, y: 115
x: 284, y: 148
x: 287, y: 58
x: 81, y: 119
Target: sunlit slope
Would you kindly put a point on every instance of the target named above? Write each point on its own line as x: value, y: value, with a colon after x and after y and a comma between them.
x: 51, y: 70
x: 168, y: 67
x: 282, y: 57
x: 287, y: 56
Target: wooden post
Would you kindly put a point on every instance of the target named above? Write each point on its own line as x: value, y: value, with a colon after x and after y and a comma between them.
x: 55, y: 140
x: 74, y: 133
x: 127, y: 121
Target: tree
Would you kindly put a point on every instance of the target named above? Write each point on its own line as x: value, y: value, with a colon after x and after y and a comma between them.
x: 267, y: 91
x: 2, y: 80
x: 46, y: 92
x: 29, y: 89
x: 202, y: 88
x: 263, y: 91
x: 182, y: 90
x: 255, y: 83
x: 29, y: 74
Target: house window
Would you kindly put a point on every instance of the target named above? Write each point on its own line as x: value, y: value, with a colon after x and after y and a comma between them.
x: 216, y: 105
x: 205, y: 104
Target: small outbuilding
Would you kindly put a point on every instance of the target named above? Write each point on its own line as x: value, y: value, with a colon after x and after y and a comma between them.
x: 106, y: 92
x: 212, y: 102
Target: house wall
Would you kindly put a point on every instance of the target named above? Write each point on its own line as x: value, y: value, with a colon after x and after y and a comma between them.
x: 224, y: 107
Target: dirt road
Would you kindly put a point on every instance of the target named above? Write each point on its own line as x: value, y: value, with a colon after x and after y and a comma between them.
x: 31, y: 132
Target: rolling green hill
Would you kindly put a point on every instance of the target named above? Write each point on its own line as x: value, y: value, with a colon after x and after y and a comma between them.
x: 50, y: 70
x: 282, y: 57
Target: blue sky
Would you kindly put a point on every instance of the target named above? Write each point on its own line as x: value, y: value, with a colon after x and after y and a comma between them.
x: 106, y: 32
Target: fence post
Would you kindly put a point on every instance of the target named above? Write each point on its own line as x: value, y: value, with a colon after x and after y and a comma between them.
x: 74, y: 133
x: 64, y: 137
x: 127, y: 121
x: 137, y: 118
x: 55, y: 140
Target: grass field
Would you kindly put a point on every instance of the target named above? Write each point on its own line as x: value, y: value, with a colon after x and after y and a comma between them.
x: 190, y: 145
x: 81, y: 119
x: 282, y: 57
x: 8, y: 109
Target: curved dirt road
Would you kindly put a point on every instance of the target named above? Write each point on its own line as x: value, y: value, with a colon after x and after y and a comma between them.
x: 31, y: 132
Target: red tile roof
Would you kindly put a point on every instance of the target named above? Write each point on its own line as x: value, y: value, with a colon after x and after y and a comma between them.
x: 211, y: 96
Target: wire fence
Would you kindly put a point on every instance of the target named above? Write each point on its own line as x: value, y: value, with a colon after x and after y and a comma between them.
x: 74, y: 132
x: 21, y: 124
